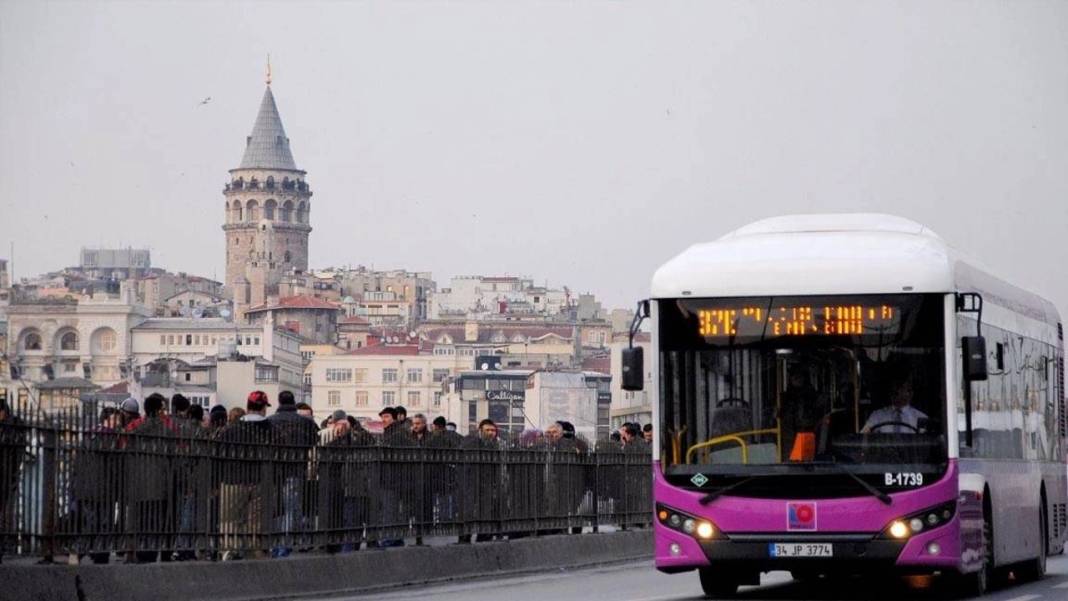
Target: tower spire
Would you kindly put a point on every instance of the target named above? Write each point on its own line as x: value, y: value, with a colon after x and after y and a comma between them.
x: 268, y: 68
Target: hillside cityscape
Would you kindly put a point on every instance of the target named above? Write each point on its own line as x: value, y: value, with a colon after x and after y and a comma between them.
x: 519, y: 351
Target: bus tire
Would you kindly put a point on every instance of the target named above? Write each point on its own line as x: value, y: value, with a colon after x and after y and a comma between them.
x: 977, y: 583
x: 718, y: 585
x: 1035, y: 569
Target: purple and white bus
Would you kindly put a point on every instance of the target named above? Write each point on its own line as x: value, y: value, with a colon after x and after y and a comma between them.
x: 844, y: 393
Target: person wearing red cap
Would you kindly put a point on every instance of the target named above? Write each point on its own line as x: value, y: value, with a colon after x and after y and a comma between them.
x: 242, y: 494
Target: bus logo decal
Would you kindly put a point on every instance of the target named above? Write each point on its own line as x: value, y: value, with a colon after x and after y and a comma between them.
x: 800, y: 516
x: 699, y: 480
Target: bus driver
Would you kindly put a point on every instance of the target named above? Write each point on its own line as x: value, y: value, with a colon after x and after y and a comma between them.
x: 899, y: 417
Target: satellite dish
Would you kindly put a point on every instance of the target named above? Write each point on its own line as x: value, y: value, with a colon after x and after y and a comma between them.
x: 411, y: 334
x: 198, y: 312
x: 224, y: 313
x: 485, y: 366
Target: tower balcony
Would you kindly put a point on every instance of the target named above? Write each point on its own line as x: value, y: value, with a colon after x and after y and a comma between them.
x: 279, y: 226
x: 240, y: 184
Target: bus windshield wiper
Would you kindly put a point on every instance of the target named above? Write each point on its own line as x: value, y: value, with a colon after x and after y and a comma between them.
x: 873, y: 491
x: 712, y: 496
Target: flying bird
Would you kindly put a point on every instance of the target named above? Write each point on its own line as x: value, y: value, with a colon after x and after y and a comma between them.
x: 205, y: 101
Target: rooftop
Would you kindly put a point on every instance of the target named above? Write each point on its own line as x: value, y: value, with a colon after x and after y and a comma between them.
x: 297, y: 302
x: 497, y: 373
x: 186, y: 323
x: 379, y: 350
x: 268, y: 146
x: 120, y: 388
x: 60, y: 383
x: 499, y: 332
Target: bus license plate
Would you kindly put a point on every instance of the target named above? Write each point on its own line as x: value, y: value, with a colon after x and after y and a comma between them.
x: 801, y: 549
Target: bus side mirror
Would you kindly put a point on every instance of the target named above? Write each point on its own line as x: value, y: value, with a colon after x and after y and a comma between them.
x: 974, y: 350
x: 633, y: 362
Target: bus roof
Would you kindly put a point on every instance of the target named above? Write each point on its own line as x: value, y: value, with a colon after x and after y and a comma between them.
x: 853, y: 253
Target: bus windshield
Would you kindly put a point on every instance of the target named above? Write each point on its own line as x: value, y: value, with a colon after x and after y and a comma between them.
x: 770, y: 385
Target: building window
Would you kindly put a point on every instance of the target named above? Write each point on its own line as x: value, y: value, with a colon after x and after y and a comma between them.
x: 256, y: 340
x: 389, y: 376
x: 440, y: 375
x: 162, y: 340
x: 196, y: 340
x: 69, y: 342
x: 189, y: 339
x: 388, y: 397
x: 333, y: 398
x: 360, y: 375
x: 415, y: 375
x: 69, y: 367
x: 307, y: 379
x: 188, y: 377
x: 170, y: 339
x: 361, y: 398
x: 337, y: 374
x: 266, y: 374
x: 414, y: 398
x: 437, y: 399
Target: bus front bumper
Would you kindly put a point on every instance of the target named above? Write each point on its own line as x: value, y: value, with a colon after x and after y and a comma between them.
x: 927, y: 552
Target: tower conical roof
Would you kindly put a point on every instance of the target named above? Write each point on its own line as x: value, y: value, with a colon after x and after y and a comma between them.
x: 268, y: 146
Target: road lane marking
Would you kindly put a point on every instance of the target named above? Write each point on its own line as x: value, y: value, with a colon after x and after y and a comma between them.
x: 1061, y: 585
x: 1024, y: 598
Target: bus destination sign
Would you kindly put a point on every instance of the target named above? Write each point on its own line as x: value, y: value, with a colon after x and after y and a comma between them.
x: 798, y: 320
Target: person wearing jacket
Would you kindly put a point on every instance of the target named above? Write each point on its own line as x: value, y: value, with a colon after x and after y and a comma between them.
x: 150, y: 447
x: 243, y: 449
x: 294, y: 436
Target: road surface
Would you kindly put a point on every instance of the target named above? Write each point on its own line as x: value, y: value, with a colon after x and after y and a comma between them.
x: 640, y: 582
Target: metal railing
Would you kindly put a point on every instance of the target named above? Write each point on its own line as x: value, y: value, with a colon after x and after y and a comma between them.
x: 173, y: 488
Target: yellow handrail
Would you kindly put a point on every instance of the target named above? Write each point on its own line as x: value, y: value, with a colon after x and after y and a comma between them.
x: 720, y: 440
x: 676, y: 445
x: 736, y: 437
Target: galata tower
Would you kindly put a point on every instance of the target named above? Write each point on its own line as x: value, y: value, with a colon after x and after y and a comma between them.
x: 268, y: 204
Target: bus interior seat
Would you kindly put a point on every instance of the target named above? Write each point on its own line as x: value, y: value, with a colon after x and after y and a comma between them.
x: 730, y: 416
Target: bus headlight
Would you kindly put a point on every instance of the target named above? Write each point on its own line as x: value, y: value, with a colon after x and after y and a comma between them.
x: 898, y: 529
x: 687, y: 524
x: 909, y: 525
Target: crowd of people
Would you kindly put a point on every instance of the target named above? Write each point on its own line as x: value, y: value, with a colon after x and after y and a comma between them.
x: 182, y: 483
x: 339, y: 427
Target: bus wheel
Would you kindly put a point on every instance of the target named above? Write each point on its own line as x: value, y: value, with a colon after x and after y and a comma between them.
x: 1035, y: 569
x: 717, y: 585
x: 976, y: 584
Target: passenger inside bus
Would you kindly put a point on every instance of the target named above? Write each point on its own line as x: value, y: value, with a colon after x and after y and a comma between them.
x: 808, y: 413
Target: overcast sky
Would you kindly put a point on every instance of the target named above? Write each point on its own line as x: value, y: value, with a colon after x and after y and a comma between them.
x: 579, y: 143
